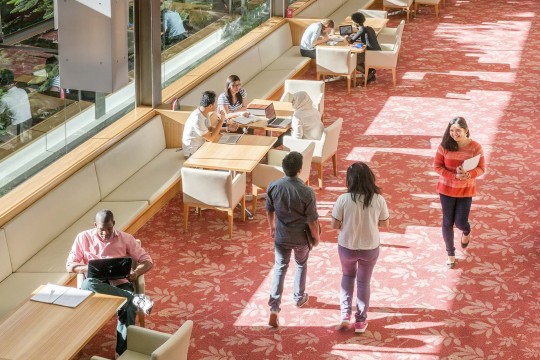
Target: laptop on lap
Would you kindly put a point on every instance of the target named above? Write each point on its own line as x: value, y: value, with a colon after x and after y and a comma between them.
x: 109, y: 269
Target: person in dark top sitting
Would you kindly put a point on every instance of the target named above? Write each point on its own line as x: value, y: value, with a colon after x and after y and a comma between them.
x: 366, y: 35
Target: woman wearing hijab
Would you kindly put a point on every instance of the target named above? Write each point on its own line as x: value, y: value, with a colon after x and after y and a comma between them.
x: 306, y: 120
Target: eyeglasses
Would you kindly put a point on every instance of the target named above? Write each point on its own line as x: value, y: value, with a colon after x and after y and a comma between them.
x: 236, y: 85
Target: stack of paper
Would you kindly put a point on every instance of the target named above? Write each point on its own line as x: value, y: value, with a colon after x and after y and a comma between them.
x: 61, y: 295
x: 247, y: 120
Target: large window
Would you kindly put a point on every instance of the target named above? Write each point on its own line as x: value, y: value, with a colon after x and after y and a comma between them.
x: 39, y: 119
x: 193, y: 31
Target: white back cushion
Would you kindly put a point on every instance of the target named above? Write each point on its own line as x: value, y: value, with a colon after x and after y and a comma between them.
x: 125, y: 158
x: 5, y: 262
x: 44, y: 220
x: 274, y: 45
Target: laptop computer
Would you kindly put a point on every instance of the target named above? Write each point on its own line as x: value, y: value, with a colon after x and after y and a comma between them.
x: 229, y: 138
x: 273, y: 120
x: 110, y: 268
x: 345, y: 30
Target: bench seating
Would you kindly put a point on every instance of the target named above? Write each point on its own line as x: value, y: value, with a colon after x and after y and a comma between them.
x: 262, y: 69
x: 337, y: 10
x: 128, y: 179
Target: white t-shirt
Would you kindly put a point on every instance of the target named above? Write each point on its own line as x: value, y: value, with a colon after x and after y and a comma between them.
x: 16, y: 101
x: 359, y: 226
x: 312, y: 33
x: 196, y: 126
x: 307, y: 124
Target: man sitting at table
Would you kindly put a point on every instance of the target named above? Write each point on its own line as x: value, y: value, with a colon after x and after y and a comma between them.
x: 15, y: 112
x: 366, y: 35
x: 197, y: 129
x: 315, y: 34
x: 104, y: 241
x: 172, y: 25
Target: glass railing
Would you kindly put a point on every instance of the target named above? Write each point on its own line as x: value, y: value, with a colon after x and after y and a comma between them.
x: 39, y: 119
x: 203, y: 28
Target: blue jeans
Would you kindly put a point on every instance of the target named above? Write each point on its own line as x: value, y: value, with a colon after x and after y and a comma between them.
x: 283, y: 256
x: 455, y: 211
x: 356, y: 264
x: 126, y: 314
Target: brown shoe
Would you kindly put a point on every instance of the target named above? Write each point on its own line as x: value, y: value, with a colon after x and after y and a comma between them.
x: 273, y: 321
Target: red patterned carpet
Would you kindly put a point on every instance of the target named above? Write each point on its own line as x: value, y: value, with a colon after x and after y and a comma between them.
x: 479, y: 60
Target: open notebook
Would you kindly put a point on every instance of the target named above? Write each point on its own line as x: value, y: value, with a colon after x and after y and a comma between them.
x: 61, y: 295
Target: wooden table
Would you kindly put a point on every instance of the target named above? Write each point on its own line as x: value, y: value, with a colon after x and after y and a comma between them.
x: 282, y: 108
x: 242, y: 156
x: 46, y: 331
x: 376, y: 23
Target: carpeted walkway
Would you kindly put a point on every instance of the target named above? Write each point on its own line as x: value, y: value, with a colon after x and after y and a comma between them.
x: 479, y: 60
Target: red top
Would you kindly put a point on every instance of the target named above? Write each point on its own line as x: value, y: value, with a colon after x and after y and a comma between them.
x: 446, y: 163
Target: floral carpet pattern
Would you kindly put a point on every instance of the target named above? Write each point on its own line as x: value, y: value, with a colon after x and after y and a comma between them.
x: 479, y: 60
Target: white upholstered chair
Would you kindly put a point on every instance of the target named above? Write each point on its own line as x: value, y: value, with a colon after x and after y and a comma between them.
x: 336, y: 61
x: 146, y: 344
x: 398, y: 4
x: 383, y: 59
x: 388, y: 35
x: 325, y: 148
x: 434, y: 3
x: 217, y: 190
x: 139, y: 286
x: 315, y: 90
x: 374, y: 13
x: 264, y: 174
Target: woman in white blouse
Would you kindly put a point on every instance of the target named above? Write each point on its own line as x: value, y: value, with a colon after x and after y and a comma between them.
x: 306, y: 120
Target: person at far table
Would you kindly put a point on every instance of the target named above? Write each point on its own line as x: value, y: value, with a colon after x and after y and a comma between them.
x: 197, y: 129
x: 315, y: 34
x: 368, y: 36
x: 104, y: 241
x: 172, y: 25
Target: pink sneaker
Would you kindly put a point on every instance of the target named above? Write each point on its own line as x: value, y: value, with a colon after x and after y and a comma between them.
x: 360, y: 327
x: 345, y: 322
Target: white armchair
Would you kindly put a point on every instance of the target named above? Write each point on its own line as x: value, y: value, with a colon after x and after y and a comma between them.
x: 139, y: 286
x: 336, y: 61
x: 154, y: 345
x: 383, y: 59
x: 389, y: 35
x: 315, y: 90
x: 325, y: 148
x: 398, y: 4
x: 264, y: 174
x: 217, y: 190
x: 374, y: 13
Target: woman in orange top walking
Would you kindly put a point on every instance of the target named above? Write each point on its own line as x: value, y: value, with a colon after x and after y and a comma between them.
x: 456, y: 185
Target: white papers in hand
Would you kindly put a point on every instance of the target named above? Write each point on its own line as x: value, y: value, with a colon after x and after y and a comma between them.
x: 471, y: 163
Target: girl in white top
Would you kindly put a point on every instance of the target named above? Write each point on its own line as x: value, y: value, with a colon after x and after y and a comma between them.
x: 233, y: 101
x: 306, y: 120
x: 358, y: 214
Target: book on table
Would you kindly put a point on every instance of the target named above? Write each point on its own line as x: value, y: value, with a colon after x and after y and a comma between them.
x: 258, y: 109
x: 61, y: 295
x: 245, y: 120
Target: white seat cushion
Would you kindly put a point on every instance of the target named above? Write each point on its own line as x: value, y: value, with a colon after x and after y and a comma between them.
x: 289, y: 60
x: 266, y: 83
x: 48, y: 217
x: 275, y: 45
x: 149, y: 182
x: 5, y: 261
x: 17, y: 287
x: 348, y: 8
x: 125, y: 158
x: 52, y: 258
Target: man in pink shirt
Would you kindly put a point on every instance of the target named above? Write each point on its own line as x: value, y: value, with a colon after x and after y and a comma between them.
x: 104, y: 241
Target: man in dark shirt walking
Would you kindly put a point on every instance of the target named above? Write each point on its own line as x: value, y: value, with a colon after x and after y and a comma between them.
x: 291, y: 210
x: 366, y: 35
